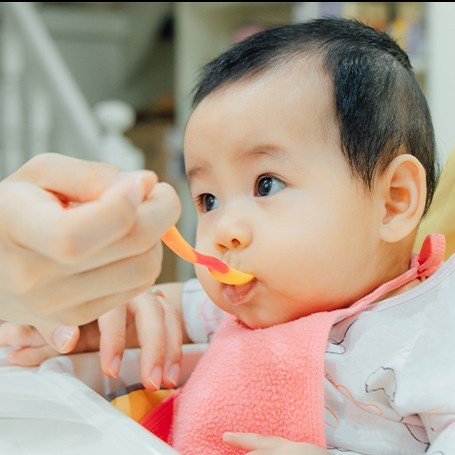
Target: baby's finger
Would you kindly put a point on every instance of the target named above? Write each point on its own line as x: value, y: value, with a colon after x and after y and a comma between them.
x: 268, y: 445
x: 112, y: 327
x: 19, y: 335
x: 31, y: 356
x: 252, y: 441
x: 151, y: 334
x: 173, y: 356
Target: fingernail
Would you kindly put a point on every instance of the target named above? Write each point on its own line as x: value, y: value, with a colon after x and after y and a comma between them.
x: 173, y: 373
x: 137, y: 189
x: 228, y: 436
x: 155, y: 377
x: 62, y: 337
x: 114, y: 366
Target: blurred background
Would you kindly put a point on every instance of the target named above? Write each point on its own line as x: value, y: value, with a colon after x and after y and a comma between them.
x: 112, y: 81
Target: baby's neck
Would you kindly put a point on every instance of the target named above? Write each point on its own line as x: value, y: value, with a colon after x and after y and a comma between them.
x: 394, y: 262
x: 402, y: 289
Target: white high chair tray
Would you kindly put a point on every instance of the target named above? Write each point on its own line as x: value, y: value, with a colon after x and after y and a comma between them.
x: 58, y: 407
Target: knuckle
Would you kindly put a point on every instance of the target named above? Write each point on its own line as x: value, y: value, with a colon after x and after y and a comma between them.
x: 15, y: 334
x: 40, y: 161
x: 116, y: 339
x: 34, y: 168
x: 158, y: 307
x: 66, y: 248
x: 102, y: 168
x: 22, y: 332
x: 38, y: 165
x: 123, y: 212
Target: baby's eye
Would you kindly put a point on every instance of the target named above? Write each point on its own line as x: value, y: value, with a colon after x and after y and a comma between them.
x: 267, y: 185
x: 207, y: 202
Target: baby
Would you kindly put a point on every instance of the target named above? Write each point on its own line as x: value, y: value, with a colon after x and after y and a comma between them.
x: 310, y: 156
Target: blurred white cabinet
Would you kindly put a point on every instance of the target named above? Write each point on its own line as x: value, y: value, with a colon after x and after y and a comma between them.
x: 108, y: 47
x: 440, y: 69
x: 205, y: 29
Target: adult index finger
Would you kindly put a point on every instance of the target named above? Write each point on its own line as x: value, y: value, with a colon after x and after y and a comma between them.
x: 35, y: 219
x: 78, y: 180
x: 155, y: 216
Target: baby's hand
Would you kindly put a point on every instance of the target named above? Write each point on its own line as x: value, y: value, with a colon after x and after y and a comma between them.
x: 154, y: 325
x: 259, y: 444
x: 149, y: 322
x: 30, y: 348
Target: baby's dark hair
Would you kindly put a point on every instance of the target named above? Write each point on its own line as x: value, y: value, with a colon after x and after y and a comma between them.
x: 380, y: 108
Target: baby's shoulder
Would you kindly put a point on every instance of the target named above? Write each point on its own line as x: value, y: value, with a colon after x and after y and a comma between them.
x: 422, y: 309
x: 440, y: 287
x: 433, y: 294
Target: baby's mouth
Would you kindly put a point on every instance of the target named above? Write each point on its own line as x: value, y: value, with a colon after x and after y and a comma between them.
x: 237, y: 294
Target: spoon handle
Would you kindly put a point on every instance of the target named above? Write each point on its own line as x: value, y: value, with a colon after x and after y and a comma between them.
x: 218, y: 269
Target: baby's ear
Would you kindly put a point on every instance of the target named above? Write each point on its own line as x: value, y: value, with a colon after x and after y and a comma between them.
x: 403, y: 193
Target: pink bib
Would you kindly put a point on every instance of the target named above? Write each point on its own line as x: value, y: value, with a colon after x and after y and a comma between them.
x: 270, y: 381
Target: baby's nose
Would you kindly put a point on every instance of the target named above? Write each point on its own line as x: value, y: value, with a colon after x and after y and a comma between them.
x: 232, y: 233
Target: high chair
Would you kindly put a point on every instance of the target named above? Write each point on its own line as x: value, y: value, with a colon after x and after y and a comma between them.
x: 60, y: 407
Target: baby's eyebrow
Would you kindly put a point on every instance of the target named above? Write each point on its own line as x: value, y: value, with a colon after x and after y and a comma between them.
x: 267, y: 151
x: 194, y: 172
x: 274, y: 153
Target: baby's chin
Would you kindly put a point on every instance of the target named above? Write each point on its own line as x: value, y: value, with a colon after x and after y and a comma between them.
x: 262, y: 319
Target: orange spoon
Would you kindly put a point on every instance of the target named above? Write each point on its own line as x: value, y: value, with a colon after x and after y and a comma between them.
x: 218, y: 269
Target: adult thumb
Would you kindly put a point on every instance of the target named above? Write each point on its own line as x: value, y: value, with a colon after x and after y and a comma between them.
x: 63, y: 338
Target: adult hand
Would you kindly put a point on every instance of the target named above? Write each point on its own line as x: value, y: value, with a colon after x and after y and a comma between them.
x: 61, y: 268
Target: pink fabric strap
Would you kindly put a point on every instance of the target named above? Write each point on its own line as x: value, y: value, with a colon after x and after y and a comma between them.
x: 422, y: 265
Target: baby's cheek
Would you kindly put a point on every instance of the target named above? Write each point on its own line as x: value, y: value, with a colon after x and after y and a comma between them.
x: 211, y: 286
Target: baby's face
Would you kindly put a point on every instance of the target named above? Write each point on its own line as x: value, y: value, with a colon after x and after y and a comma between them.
x: 276, y: 198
